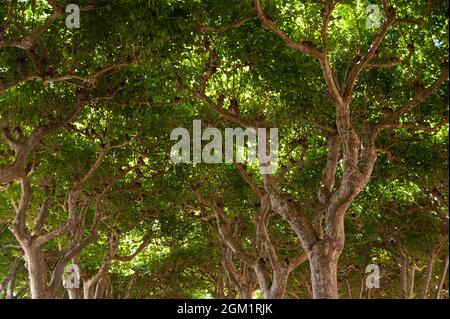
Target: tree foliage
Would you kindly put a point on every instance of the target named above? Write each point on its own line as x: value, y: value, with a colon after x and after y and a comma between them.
x: 86, y: 177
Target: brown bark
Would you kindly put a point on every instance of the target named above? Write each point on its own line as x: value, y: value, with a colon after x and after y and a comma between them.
x: 429, y: 268
x: 359, y: 152
x: 427, y: 278
x: 274, y: 286
x: 271, y: 272
x: 362, y: 286
x: 95, y: 286
x: 32, y: 244
x: 246, y: 292
x: 280, y: 277
x: 407, y: 274
x: 323, y: 275
x: 130, y: 286
x: 411, y: 278
x: 347, y: 284
x: 88, y: 289
x: 241, y: 281
x: 357, y: 168
x: 348, y: 288
x: 442, y: 277
x: 37, y: 272
x: 403, y: 277
x: 219, y: 287
x: 75, y: 293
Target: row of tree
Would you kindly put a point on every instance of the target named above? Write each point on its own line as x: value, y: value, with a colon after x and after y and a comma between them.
x: 86, y: 177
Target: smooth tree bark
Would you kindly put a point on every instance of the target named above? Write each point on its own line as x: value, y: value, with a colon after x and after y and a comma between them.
x: 346, y: 281
x: 442, y: 277
x: 348, y: 288
x: 32, y: 240
x: 34, y: 254
x: 130, y: 286
x: 272, y: 272
x: 240, y: 280
x: 223, y: 280
x: 432, y: 255
x: 219, y: 287
x: 323, y: 240
x: 408, y: 269
x: 95, y: 286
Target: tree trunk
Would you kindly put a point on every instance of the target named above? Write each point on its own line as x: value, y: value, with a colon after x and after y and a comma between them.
x: 427, y: 278
x: 279, y: 282
x: 362, y: 286
x: 442, y: 278
x: 100, y: 289
x: 263, y: 278
x: 275, y: 287
x: 411, y: 278
x: 219, y: 291
x: 323, y: 275
x: 88, y: 289
x: 36, y: 270
x: 348, y: 288
x: 75, y: 293
x: 130, y: 286
x: 403, y: 277
x: 245, y: 292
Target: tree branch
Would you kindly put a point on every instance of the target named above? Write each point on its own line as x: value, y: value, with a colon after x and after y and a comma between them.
x: 304, y: 46
x: 361, y: 63
x: 18, y: 227
x: 230, y: 26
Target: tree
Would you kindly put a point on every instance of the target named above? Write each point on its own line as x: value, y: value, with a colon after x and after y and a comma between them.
x: 354, y: 133
x: 86, y: 116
